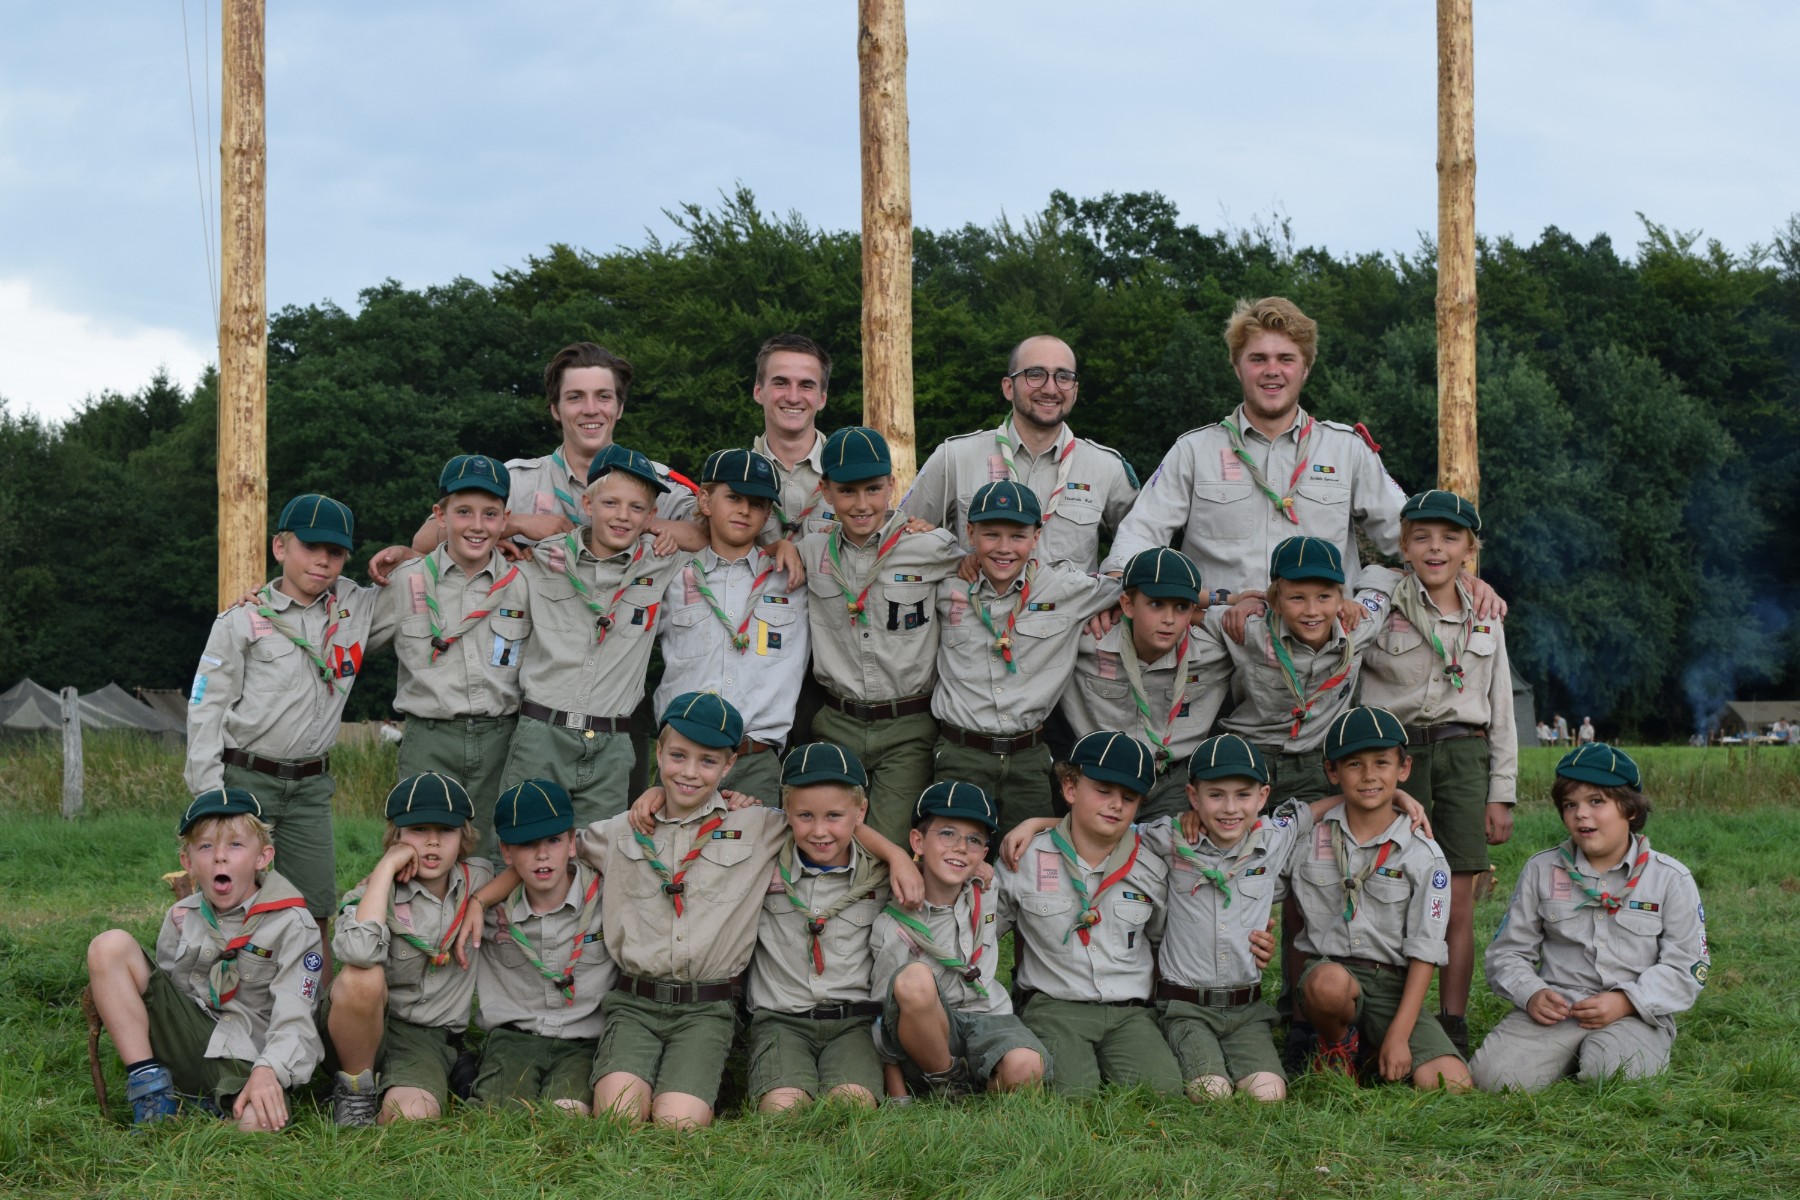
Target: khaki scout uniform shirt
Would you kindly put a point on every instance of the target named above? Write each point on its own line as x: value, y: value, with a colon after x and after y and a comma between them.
x: 802, y: 509
x: 1403, y: 674
x: 763, y: 680
x: 1096, y: 494
x: 975, y: 690
x: 1653, y: 948
x: 951, y: 928
x: 257, y: 691
x: 269, y: 1023
x: 724, y: 889
x: 436, y: 997
x: 894, y: 656
x: 1404, y: 906
x: 565, y: 668
x: 1101, y: 696
x: 782, y: 978
x: 1230, y: 528
x: 479, y: 675
x: 515, y: 993
x: 1039, y: 901
x: 545, y: 485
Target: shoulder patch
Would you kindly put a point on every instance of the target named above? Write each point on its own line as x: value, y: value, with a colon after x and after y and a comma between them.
x: 312, y: 961
x: 1440, y: 880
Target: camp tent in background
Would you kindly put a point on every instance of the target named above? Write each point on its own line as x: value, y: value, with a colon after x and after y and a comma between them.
x: 1524, y: 710
x: 28, y: 707
x: 1755, y: 716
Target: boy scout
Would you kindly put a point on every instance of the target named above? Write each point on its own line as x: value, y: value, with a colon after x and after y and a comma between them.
x: 225, y: 1012
x: 1376, y: 896
x: 793, y: 374
x: 874, y: 629
x: 459, y: 620
x: 734, y: 623
x: 1444, y: 672
x: 1604, y: 941
x: 1006, y: 652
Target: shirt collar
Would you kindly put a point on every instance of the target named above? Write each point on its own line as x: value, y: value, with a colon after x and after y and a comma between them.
x: 1399, y: 830
x: 814, y: 458
x: 1064, y: 436
x: 1242, y: 421
x: 714, y: 803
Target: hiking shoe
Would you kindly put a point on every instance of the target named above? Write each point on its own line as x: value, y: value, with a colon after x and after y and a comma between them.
x: 1337, y: 1058
x: 1296, y: 1047
x: 355, y: 1100
x: 151, y: 1091
x: 463, y: 1072
x: 954, y: 1082
x: 1457, y: 1030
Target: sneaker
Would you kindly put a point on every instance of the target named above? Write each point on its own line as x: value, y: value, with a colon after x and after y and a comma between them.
x: 1457, y: 1030
x: 355, y: 1100
x: 1339, y: 1057
x: 151, y: 1091
x: 954, y: 1082
x: 463, y: 1072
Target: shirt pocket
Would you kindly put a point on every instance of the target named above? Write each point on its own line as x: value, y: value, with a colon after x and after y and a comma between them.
x: 412, y: 644
x: 1639, y: 935
x: 506, y: 645
x: 1481, y: 645
x: 1110, y: 692
x: 405, y: 962
x: 907, y: 607
x: 273, y: 648
x: 639, y: 879
x: 1041, y: 627
x: 1321, y: 892
x: 1224, y: 512
x: 556, y: 605
x: 1050, y: 909
x: 1401, y: 641
x: 1331, y: 489
x: 727, y: 884
x: 1078, y: 505
x: 773, y: 628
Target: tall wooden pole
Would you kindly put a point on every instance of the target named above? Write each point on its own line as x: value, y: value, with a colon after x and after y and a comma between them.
x: 1459, y: 468
x: 243, y: 306
x: 887, y: 257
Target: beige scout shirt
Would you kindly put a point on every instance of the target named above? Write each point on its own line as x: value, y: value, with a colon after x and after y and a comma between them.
x: 269, y: 1023
x: 956, y: 928
x: 541, y: 486
x: 256, y: 691
x: 1094, y: 492
x: 1229, y: 527
x: 1405, y: 902
x: 762, y: 680
x: 1040, y: 902
x: 1653, y: 948
x: 1207, y: 942
x: 802, y: 509
x: 782, y: 974
x: 975, y: 690
x: 723, y: 890
x: 1403, y: 674
x: 565, y: 666
x: 894, y: 655
x: 436, y: 997
x: 1101, y: 696
x: 515, y: 993
x: 479, y: 675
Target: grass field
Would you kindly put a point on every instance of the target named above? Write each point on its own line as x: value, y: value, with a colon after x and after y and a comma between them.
x: 1724, y: 1122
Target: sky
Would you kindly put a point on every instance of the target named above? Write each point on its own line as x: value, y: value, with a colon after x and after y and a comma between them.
x: 423, y: 142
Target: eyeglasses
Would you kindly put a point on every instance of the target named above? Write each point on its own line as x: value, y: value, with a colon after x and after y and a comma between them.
x: 1038, y: 376
x: 949, y: 839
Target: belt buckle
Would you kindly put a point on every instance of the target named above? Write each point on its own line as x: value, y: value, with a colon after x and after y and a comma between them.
x: 663, y: 991
x: 287, y: 771
x: 574, y: 720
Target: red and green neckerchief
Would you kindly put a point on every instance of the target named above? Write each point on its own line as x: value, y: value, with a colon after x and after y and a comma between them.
x: 1159, y: 738
x: 571, y: 510
x: 795, y: 524
x: 565, y: 978
x: 1606, y: 901
x: 1304, y: 700
x: 740, y: 637
x: 1353, y: 883
x: 919, y: 935
x: 326, y: 674
x: 222, y: 979
x: 865, y: 877
x: 1063, y: 464
x: 673, y: 887
x: 1283, y: 501
x: 1409, y: 603
x: 858, y: 601
x: 435, y: 956
x: 603, y: 617
x: 1220, y: 879
x: 441, y: 641
x: 1003, y: 643
x: 1118, y: 864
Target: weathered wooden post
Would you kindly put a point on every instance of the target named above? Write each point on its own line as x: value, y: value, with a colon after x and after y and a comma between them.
x: 72, y: 766
x: 1459, y: 466
x: 886, y: 233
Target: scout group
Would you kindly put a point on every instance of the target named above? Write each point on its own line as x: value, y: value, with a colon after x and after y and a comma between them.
x: 1255, y: 723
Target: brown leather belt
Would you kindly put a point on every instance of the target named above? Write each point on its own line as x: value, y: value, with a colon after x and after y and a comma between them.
x: 304, y: 768
x: 1210, y: 997
x: 749, y: 747
x: 1367, y: 964
x: 1425, y: 735
x: 882, y: 711
x: 573, y: 720
x: 668, y: 991
x: 992, y: 745
x: 843, y: 1012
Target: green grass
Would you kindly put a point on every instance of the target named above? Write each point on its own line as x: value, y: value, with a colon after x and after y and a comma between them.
x: 1725, y: 1121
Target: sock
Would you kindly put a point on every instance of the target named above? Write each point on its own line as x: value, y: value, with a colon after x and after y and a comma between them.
x: 145, y: 1064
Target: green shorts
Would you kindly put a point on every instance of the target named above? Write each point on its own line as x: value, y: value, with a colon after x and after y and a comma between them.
x: 524, y: 1070
x: 1019, y: 784
x: 1093, y: 1044
x: 1377, y: 999
x: 1229, y: 1042
x: 299, y: 814
x: 979, y: 1039
x: 594, y: 767
x: 756, y: 775
x: 897, y: 754
x: 472, y: 751
x: 179, y: 1033
x: 1295, y: 774
x: 1450, y: 779
x: 672, y: 1047
x: 789, y: 1051
x: 414, y: 1056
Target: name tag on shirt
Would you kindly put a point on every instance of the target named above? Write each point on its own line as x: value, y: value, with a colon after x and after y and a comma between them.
x: 1049, y: 871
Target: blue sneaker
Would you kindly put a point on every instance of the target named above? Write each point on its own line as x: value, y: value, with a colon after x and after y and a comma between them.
x: 151, y: 1091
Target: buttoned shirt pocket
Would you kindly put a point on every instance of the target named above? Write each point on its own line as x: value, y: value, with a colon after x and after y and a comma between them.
x: 506, y: 646
x: 726, y: 885
x: 1331, y: 488
x: 1223, y: 512
x: 255, y: 968
x: 1400, y: 641
x: 1481, y: 645
x: 686, y: 616
x: 557, y: 605
x: 1041, y: 624
x: 862, y: 914
x: 908, y: 606
x: 637, y: 611
x: 1640, y: 932
x: 1112, y: 692
x: 781, y: 622
x: 1322, y: 897
x: 413, y: 643
x: 1387, y: 890
x: 507, y: 952
x: 1131, y: 912
x: 405, y: 962
x: 273, y: 648
x: 1048, y: 909
x: 639, y: 878
x: 1255, y: 889
x: 1078, y: 506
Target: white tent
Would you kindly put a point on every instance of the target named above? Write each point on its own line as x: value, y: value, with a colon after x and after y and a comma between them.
x: 29, y: 707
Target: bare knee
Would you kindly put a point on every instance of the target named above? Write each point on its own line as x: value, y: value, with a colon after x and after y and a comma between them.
x: 361, y: 988
x: 622, y: 1096
x: 852, y: 1094
x: 1266, y: 1086
x: 1018, y: 1068
x: 408, y: 1104
x: 1208, y: 1087
x: 1330, y: 991
x: 914, y: 988
x: 111, y: 950
x: 573, y: 1107
x: 1446, y: 1071
x: 680, y: 1111
x: 781, y: 1099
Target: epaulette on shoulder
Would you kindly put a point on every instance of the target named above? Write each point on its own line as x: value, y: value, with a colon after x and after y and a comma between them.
x: 1130, y: 472
x: 1359, y: 431
x: 963, y: 437
x: 677, y: 477
x: 526, y: 464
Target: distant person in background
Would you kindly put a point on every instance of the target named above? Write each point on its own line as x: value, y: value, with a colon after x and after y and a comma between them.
x: 1559, y: 730
x: 1543, y: 734
x: 1586, y: 732
x: 391, y: 732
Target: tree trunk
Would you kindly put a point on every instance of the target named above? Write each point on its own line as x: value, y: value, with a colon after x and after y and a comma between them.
x: 1459, y: 468
x: 243, y: 307
x: 887, y: 233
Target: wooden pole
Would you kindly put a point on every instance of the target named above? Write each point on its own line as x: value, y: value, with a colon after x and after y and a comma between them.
x: 243, y: 306
x: 887, y: 256
x: 72, y: 770
x: 1459, y: 468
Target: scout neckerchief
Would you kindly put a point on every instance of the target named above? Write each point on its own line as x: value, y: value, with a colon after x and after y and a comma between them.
x: 791, y: 524
x: 865, y: 877
x: 1118, y: 864
x: 1063, y: 463
x: 1140, y: 695
x: 1605, y: 901
x: 1003, y: 641
x: 858, y: 601
x: 1303, y: 700
x: 1283, y: 501
x: 672, y: 885
x: 441, y: 641
x: 918, y: 934
x: 1220, y: 879
x: 435, y: 956
x: 570, y: 509
x: 1409, y: 602
x: 603, y: 617
x: 222, y: 979
x: 740, y: 638
x: 326, y: 674
x: 794, y: 524
x: 565, y: 978
x: 1353, y: 884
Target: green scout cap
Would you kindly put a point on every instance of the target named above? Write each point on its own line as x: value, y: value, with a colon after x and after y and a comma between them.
x: 475, y: 473
x: 1165, y: 573
x: 535, y: 809
x: 705, y: 717
x: 1227, y: 756
x: 617, y: 458
x: 855, y: 454
x: 958, y: 801
x: 1439, y: 505
x: 1114, y: 757
x: 314, y: 518
x: 220, y: 802
x: 1365, y: 728
x: 1006, y: 501
x: 1599, y: 764
x: 823, y: 762
x: 429, y: 799
x: 1306, y: 558
x: 743, y: 471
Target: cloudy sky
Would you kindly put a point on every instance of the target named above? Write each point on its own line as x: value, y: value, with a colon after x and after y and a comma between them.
x: 421, y: 141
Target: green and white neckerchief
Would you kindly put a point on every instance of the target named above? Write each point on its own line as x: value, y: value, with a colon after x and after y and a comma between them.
x: 1283, y: 501
x: 1159, y: 736
x: 1118, y: 864
x: 1409, y: 602
x: 858, y: 601
x: 222, y: 977
x: 603, y: 617
x: 1003, y: 642
x: 1303, y: 699
x: 1246, y: 850
x: 1064, y: 461
x: 918, y: 934
x: 740, y: 636
x: 435, y: 956
x: 440, y: 639
x: 565, y: 978
x: 865, y: 876
x: 1606, y: 901
x: 1353, y: 883
x: 267, y: 610
x: 673, y: 885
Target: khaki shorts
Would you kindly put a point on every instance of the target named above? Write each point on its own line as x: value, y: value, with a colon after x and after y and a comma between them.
x: 1229, y: 1042
x: 525, y: 1070
x: 1519, y: 1053
x: 1450, y: 779
x: 179, y: 1033
x: 1103, y: 1043
x: 789, y: 1051
x: 672, y: 1047
x: 979, y: 1039
x: 1377, y: 1000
